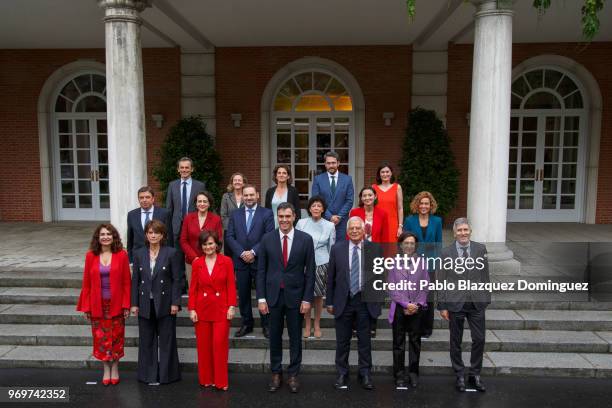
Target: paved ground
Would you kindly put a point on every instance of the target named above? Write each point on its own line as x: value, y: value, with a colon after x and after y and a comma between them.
x: 249, y: 390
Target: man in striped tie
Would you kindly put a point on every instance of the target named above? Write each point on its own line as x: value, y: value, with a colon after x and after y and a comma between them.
x: 348, y: 281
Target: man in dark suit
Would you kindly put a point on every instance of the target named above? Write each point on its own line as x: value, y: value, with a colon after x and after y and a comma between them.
x: 139, y: 217
x: 180, y: 199
x: 469, y: 263
x: 348, y: 298
x: 247, y: 225
x: 285, y: 290
x: 337, y: 190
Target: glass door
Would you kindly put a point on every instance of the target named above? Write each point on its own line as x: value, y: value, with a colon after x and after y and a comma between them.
x: 82, y: 169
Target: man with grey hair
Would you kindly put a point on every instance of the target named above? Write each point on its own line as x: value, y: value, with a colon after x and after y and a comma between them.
x: 348, y: 299
x: 337, y: 190
x: 469, y: 263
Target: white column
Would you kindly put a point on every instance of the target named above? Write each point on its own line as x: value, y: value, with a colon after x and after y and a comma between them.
x: 490, y: 127
x: 127, y: 157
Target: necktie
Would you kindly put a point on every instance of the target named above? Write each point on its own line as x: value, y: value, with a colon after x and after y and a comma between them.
x: 249, y: 219
x: 464, y: 251
x: 285, y: 251
x: 333, y: 185
x: 355, y: 270
x: 184, y: 203
x: 147, y: 218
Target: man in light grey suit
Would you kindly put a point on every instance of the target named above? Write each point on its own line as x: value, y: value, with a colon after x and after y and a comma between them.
x: 470, y: 263
x: 180, y: 200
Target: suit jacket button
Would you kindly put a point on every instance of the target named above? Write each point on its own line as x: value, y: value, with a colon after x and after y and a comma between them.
x: 161, y: 281
x: 142, y: 293
x: 140, y: 269
x: 142, y: 281
x: 163, y: 293
x: 217, y: 293
x: 205, y: 294
x: 164, y: 268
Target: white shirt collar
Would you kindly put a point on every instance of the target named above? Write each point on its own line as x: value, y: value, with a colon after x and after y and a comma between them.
x: 352, y: 244
x: 150, y: 210
x: 186, y: 180
x: 246, y: 209
x: 290, y: 234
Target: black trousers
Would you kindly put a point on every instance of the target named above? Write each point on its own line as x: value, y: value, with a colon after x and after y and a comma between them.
x: 354, y: 311
x: 427, y: 319
x: 157, y: 352
x: 476, y: 320
x: 278, y: 314
x: 406, y: 325
x: 244, y: 279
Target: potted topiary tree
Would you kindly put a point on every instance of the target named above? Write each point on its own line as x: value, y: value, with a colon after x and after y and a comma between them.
x: 188, y: 137
x: 427, y: 162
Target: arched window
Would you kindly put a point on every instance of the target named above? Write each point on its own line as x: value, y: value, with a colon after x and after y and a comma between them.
x: 81, y: 149
x: 545, y: 89
x: 546, y: 157
x: 312, y: 92
x: 85, y: 93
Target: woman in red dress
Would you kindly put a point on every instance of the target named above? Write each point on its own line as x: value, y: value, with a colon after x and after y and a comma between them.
x: 212, y: 298
x: 375, y: 218
x: 105, y: 297
x: 196, y: 222
x: 391, y: 199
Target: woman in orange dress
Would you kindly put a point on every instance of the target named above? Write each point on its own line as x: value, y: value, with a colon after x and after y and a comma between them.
x: 105, y: 298
x: 390, y: 199
x: 212, y: 299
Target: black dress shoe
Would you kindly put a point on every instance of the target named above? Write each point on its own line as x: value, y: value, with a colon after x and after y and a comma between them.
x: 475, y: 382
x: 243, y: 331
x: 460, y: 384
x: 366, y: 382
x: 266, y: 333
x: 294, y: 384
x: 275, y: 383
x: 373, y: 334
x: 414, y: 379
x: 400, y: 383
x: 341, y: 382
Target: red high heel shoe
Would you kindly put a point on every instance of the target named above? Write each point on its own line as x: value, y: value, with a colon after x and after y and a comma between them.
x: 114, y: 381
x: 106, y: 381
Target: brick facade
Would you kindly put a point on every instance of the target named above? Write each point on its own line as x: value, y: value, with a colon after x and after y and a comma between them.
x: 595, y: 57
x: 384, y: 74
x: 23, y: 74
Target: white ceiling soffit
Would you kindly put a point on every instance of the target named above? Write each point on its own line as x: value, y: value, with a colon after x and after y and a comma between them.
x: 240, y: 23
x: 560, y: 23
x: 57, y: 24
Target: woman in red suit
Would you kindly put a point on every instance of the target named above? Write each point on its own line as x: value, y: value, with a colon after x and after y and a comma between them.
x: 196, y: 222
x: 212, y: 297
x: 376, y: 226
x: 376, y: 222
x: 105, y: 297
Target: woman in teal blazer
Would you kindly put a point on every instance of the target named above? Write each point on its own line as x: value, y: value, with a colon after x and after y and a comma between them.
x: 428, y: 229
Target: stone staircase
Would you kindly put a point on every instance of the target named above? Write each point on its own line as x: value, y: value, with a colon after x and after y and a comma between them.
x: 39, y: 327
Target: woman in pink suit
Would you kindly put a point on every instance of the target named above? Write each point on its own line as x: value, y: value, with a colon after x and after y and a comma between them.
x: 212, y: 298
x: 196, y: 222
x: 105, y: 297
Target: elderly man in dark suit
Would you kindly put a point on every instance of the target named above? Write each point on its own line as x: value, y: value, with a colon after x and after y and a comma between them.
x: 139, y: 217
x: 247, y: 225
x: 285, y: 290
x: 470, y: 263
x: 349, y: 299
x: 180, y: 199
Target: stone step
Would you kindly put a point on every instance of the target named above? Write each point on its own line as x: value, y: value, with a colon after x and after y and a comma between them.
x: 575, y: 320
x: 496, y: 340
x: 56, y: 295
x: 588, y: 365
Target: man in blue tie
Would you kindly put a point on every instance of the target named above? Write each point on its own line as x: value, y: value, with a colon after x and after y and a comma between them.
x: 247, y: 225
x: 139, y: 217
x: 349, y: 298
x: 180, y: 199
x: 337, y: 190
